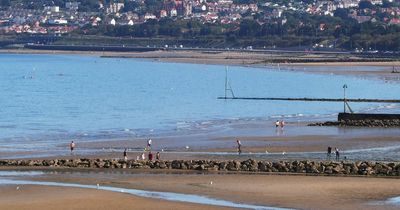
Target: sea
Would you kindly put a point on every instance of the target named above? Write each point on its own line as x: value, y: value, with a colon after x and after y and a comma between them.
x: 48, y: 99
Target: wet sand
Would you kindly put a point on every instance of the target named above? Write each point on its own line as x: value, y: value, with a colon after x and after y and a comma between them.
x: 300, y: 192
x: 355, y: 144
x: 40, y: 197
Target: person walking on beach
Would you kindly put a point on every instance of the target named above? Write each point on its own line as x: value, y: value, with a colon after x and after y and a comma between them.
x: 158, y: 156
x: 328, y: 155
x: 282, y: 124
x: 125, y: 155
x: 337, y: 155
x: 149, y: 144
x: 150, y: 156
x: 143, y: 156
x: 239, y: 146
x: 72, y: 146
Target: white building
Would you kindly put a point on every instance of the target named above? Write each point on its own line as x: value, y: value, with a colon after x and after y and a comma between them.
x: 113, y: 22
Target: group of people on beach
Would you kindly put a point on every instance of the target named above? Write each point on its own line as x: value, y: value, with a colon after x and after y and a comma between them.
x: 143, y: 155
x: 329, y: 153
x: 125, y: 153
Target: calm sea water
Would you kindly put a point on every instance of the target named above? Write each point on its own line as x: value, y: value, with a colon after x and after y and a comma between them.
x: 62, y: 96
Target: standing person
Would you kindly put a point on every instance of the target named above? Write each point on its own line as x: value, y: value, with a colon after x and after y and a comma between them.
x: 143, y: 156
x: 277, y: 124
x: 239, y: 146
x: 328, y: 154
x: 337, y: 153
x: 150, y: 156
x: 125, y: 155
x: 149, y: 144
x: 158, y: 156
x: 72, y: 146
x: 282, y: 124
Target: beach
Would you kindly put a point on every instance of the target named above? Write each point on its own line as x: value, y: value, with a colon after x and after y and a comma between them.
x: 287, y: 191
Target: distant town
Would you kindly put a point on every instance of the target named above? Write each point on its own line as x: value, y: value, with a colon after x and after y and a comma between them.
x: 345, y: 24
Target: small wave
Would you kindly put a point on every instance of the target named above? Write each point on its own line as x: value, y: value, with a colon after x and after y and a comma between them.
x: 394, y: 201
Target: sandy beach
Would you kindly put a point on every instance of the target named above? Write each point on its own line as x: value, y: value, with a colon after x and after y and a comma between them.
x: 37, y: 197
x: 290, y: 191
x: 244, y: 58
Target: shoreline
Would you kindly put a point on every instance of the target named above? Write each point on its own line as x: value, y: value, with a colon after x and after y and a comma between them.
x: 254, y: 59
x: 245, y: 59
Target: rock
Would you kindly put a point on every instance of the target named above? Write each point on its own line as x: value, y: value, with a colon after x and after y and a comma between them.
x: 176, y: 164
x: 222, y: 166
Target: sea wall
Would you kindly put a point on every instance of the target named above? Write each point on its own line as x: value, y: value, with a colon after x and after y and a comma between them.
x: 302, y: 167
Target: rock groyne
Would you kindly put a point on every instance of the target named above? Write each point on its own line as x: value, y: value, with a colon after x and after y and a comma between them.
x: 360, y: 123
x: 300, y: 167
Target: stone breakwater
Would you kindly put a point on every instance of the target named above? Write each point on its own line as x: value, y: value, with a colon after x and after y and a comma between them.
x: 302, y: 167
x: 360, y: 123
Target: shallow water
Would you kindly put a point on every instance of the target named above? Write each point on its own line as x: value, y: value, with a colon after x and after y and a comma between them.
x: 48, y: 99
x: 394, y: 201
x: 143, y: 193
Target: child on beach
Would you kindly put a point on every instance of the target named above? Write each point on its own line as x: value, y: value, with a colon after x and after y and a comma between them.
x: 337, y: 154
x: 149, y: 144
x: 328, y: 155
x: 72, y: 146
x: 239, y: 146
x: 282, y: 124
x: 125, y: 155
